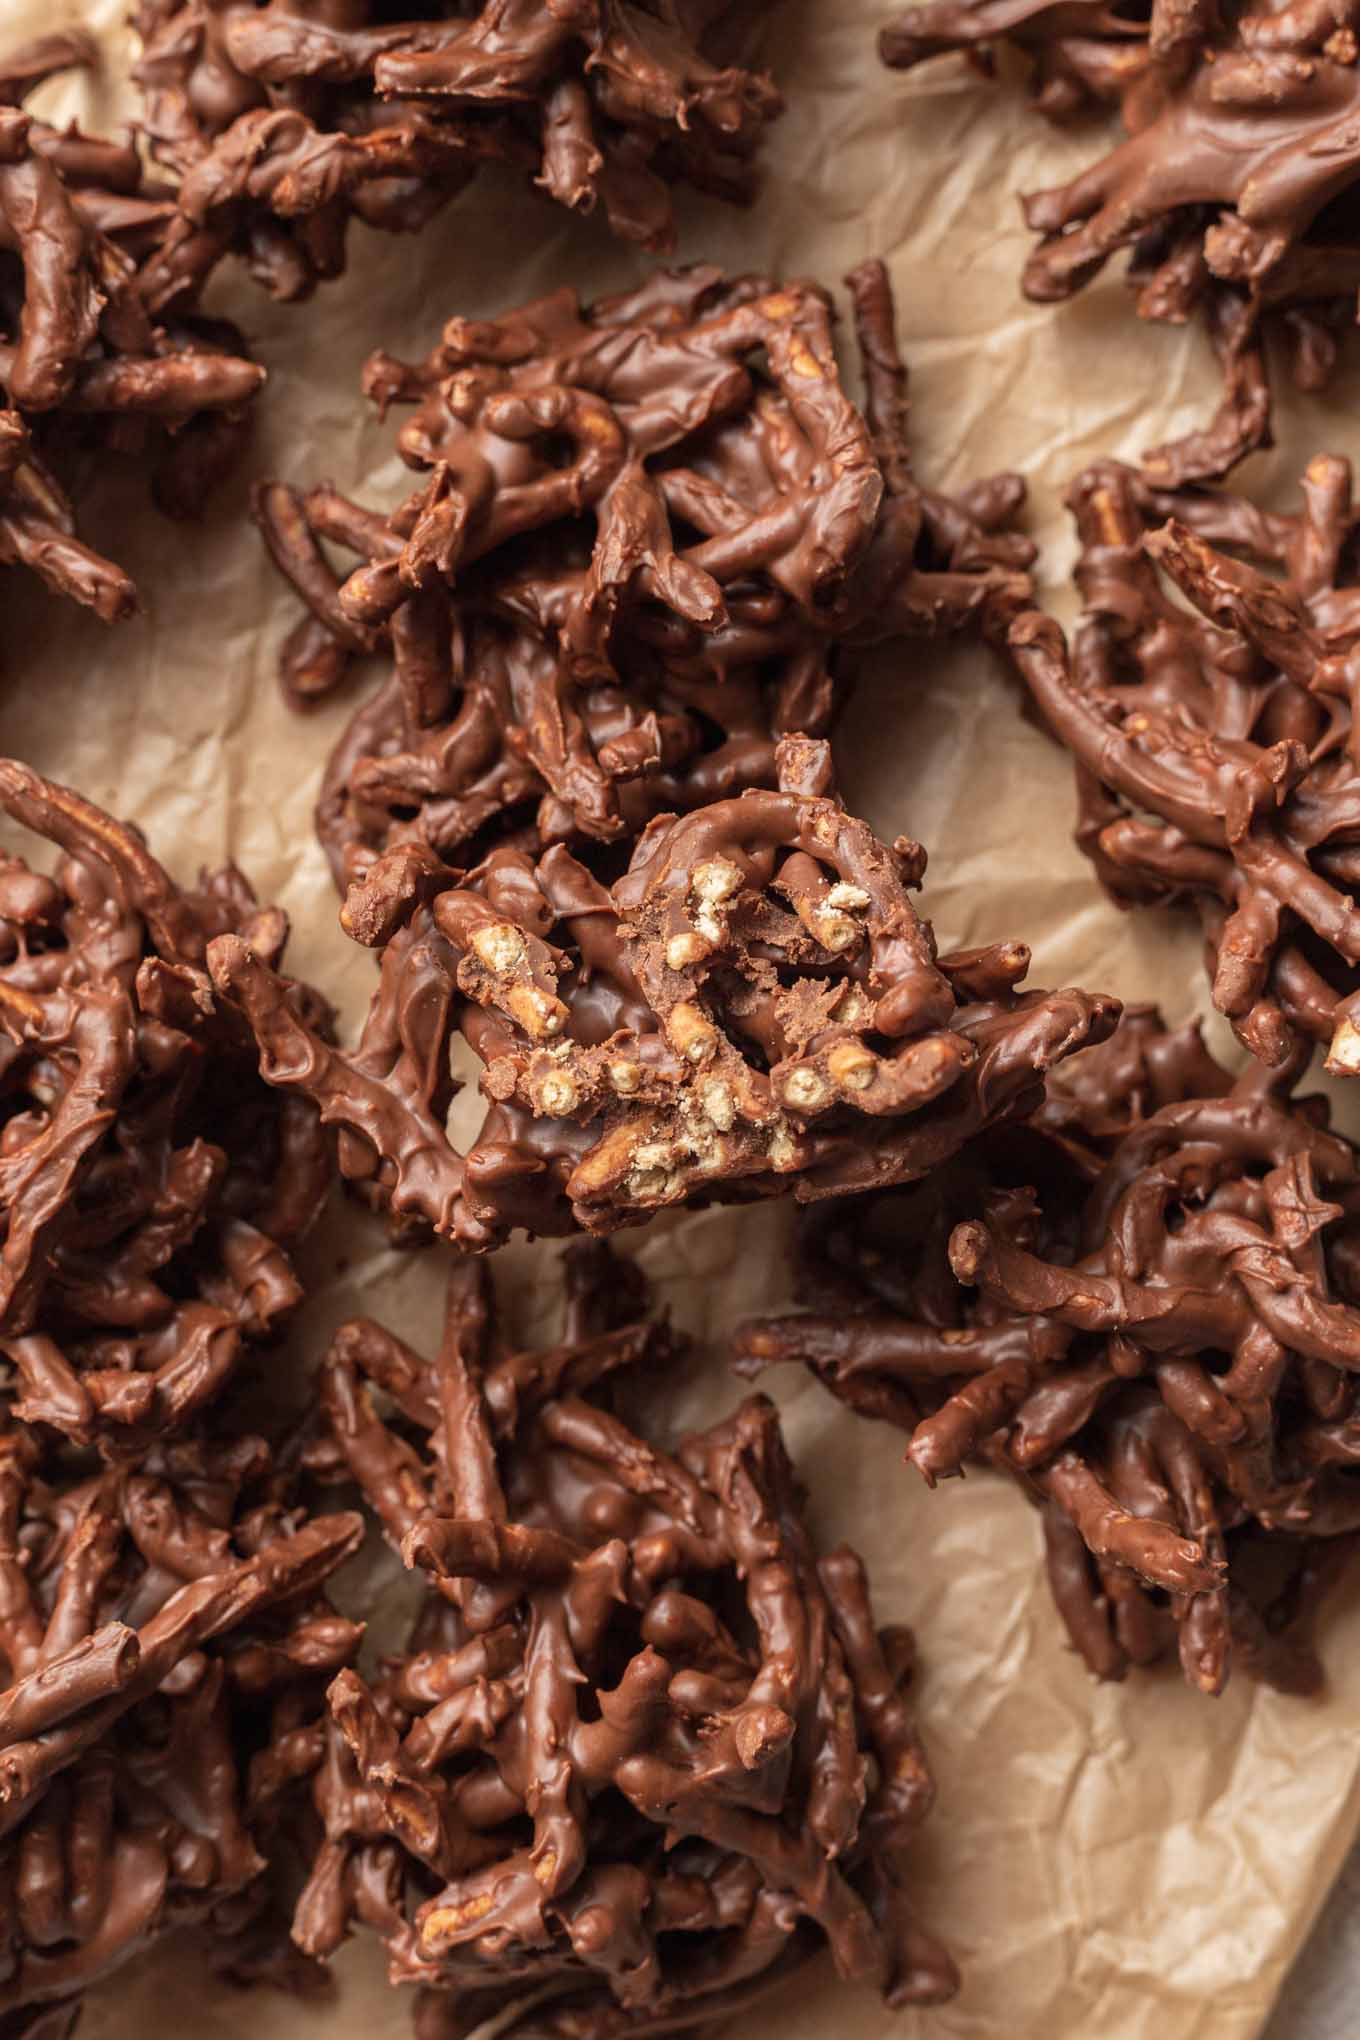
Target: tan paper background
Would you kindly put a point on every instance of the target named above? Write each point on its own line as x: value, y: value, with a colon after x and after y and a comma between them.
x: 1115, y: 1862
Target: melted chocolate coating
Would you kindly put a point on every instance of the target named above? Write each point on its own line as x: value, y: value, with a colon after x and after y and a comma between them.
x: 1144, y: 1305
x: 1233, y: 186
x: 1216, y: 748
x: 653, y: 536
x: 287, y: 120
x: 165, y: 1641
x: 162, y: 1634
x: 86, y: 369
x: 754, y: 1008
x: 645, y: 1749
x: 150, y: 1184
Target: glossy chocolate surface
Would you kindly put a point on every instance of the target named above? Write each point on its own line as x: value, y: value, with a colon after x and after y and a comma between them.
x: 755, y: 1008
x: 151, y: 1186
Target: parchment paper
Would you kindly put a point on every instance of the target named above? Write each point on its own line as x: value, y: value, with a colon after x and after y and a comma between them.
x: 1122, y: 1862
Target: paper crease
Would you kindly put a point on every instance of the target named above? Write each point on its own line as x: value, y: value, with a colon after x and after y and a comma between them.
x: 1107, y: 1864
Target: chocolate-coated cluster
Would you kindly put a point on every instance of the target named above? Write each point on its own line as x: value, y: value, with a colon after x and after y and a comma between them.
x: 287, y: 120
x: 1215, y: 745
x: 1145, y: 1305
x: 163, y: 1637
x: 1233, y: 188
x: 650, y: 539
x: 645, y: 1751
x: 754, y: 1008
x: 87, y: 368
x: 150, y: 1184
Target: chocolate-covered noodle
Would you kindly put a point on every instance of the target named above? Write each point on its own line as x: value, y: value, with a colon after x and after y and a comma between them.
x: 646, y: 1751
x: 1144, y: 1306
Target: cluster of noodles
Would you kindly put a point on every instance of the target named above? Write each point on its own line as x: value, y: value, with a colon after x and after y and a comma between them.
x: 652, y: 536
x: 1233, y: 187
x: 89, y: 364
x: 645, y: 1752
x: 1145, y: 1306
x: 285, y: 121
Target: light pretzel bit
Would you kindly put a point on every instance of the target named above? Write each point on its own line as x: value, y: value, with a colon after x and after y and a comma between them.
x: 684, y: 1035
